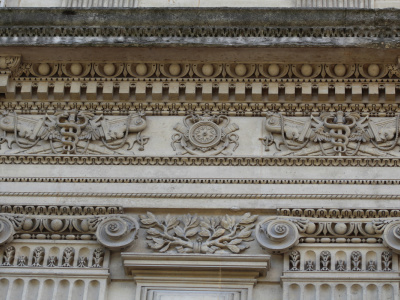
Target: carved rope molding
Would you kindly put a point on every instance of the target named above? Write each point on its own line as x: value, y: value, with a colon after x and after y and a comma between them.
x: 281, y: 234
x: 111, y: 231
x: 202, y: 196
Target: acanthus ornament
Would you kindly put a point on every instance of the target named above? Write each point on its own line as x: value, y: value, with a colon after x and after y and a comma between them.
x: 332, y: 134
x: 71, y: 132
x: 281, y: 234
x: 9, y: 63
x: 193, y: 234
x: 205, y: 134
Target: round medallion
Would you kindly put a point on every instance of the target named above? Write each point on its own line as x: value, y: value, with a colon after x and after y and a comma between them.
x: 205, y: 134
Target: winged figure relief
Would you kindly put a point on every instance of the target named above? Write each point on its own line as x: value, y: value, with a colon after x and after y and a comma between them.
x: 331, y: 134
x: 71, y: 132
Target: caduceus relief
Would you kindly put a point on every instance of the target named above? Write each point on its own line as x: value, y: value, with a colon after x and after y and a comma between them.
x: 332, y: 133
x: 340, y: 125
x: 71, y: 124
x: 72, y: 132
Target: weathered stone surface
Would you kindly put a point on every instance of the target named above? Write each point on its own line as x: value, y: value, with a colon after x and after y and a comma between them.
x: 160, y: 27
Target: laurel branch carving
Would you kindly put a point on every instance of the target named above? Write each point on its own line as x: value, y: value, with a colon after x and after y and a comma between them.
x: 193, y: 234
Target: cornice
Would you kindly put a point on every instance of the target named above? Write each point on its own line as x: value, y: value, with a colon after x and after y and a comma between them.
x: 222, y: 27
x: 201, y: 161
x: 201, y: 180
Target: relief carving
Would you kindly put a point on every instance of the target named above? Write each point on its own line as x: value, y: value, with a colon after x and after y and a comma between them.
x: 9, y: 63
x: 207, y: 134
x: 332, y: 134
x: 280, y: 234
x: 117, y: 232
x: 71, y: 132
x: 112, y: 231
x: 193, y: 234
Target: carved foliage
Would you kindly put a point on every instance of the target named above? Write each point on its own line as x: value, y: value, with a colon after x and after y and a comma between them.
x: 356, y: 261
x: 325, y: 261
x: 206, y: 134
x: 340, y: 265
x: 294, y: 261
x: 68, y: 257
x: 9, y: 63
x: 333, y: 133
x: 386, y: 261
x: 193, y: 234
x: 38, y: 256
x: 8, y: 257
x: 72, y: 132
x: 98, y: 258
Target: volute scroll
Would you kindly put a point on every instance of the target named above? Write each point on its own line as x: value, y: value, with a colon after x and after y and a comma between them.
x: 391, y: 236
x: 277, y: 235
x: 117, y: 232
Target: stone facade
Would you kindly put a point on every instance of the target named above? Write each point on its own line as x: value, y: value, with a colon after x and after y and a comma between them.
x: 163, y: 153
x: 204, y: 3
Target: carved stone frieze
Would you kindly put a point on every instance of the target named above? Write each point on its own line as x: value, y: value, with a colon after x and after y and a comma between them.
x: 208, y: 161
x: 207, y: 134
x: 208, y: 70
x: 280, y: 234
x: 71, y: 132
x: 112, y: 231
x: 272, y: 82
x: 299, y: 181
x: 9, y: 64
x: 60, y: 210
x: 332, y: 134
x: 193, y: 234
x: 339, y: 213
x: 283, y: 28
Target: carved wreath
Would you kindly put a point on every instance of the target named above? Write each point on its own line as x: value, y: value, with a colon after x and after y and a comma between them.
x: 200, y: 134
